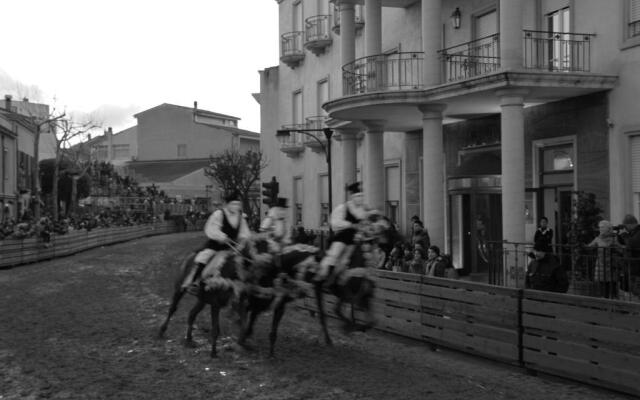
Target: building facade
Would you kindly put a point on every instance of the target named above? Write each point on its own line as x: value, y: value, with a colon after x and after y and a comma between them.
x: 480, y: 116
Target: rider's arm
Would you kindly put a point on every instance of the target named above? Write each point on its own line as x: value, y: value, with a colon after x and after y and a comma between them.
x: 338, y: 221
x: 244, y: 233
x: 213, y: 227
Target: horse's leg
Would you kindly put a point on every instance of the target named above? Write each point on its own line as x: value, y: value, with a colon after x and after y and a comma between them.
x: 247, y: 331
x: 215, y: 328
x: 278, y: 312
x: 321, y: 314
x: 347, y: 324
x: 177, y: 295
x: 192, y: 317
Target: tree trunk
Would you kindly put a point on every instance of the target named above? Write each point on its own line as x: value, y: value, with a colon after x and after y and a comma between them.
x: 35, y: 170
x: 54, y: 190
x: 74, y: 194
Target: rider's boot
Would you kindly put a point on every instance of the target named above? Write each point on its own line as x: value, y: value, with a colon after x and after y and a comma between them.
x: 194, y: 287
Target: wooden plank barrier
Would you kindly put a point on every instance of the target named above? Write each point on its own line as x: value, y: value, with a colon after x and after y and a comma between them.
x: 587, y: 339
x: 16, y: 252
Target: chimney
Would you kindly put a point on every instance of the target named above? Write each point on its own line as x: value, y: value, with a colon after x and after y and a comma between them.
x: 110, y: 131
x: 7, y: 102
x: 195, y: 106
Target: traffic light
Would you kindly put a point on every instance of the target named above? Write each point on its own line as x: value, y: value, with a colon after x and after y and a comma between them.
x: 270, y: 192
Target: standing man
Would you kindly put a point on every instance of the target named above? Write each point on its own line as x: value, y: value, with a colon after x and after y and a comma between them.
x: 544, y: 234
x: 223, y: 228
x: 344, y: 222
x: 545, y: 272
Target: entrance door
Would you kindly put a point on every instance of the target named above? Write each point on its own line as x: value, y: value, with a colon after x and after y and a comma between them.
x: 476, y: 226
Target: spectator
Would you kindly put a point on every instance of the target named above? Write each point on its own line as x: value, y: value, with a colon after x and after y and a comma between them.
x: 604, y: 274
x: 436, y: 264
x: 419, y: 234
x: 545, y: 272
x: 631, y: 241
x: 544, y: 234
x: 417, y: 263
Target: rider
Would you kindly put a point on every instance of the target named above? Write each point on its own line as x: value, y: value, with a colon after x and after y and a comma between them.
x: 344, y: 222
x: 275, y: 225
x: 224, y: 227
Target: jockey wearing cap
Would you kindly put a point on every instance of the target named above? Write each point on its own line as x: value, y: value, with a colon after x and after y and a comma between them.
x: 275, y: 225
x: 224, y: 227
x: 344, y: 222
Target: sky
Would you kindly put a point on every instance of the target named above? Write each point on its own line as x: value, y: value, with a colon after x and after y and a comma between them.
x: 113, y: 58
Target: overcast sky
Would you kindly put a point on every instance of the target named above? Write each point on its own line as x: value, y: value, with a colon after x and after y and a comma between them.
x: 116, y: 57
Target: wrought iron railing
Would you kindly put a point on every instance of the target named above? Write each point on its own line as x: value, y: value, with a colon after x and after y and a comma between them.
x: 383, y: 72
x: 608, y: 272
x: 358, y: 19
x: 557, y: 51
x: 315, y: 122
x: 634, y: 28
x: 474, y: 58
x: 292, y: 44
x: 294, y: 140
x: 317, y: 28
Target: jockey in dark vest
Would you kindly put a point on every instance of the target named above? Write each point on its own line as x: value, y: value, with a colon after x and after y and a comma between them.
x: 224, y: 227
x: 344, y: 222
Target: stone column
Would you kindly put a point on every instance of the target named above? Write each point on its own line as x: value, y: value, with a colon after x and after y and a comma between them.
x: 511, y: 34
x: 433, y: 172
x: 347, y: 32
x: 348, y: 145
x: 411, y: 158
x: 374, y: 165
x: 431, y: 41
x: 372, y: 27
x: 513, y: 176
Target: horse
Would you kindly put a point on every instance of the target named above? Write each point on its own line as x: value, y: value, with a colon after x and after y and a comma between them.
x: 296, y: 267
x: 231, y: 268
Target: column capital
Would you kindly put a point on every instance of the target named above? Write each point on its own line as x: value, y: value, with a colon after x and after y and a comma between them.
x: 345, y: 134
x: 431, y: 111
x: 374, y: 125
x: 511, y: 96
x: 346, y: 4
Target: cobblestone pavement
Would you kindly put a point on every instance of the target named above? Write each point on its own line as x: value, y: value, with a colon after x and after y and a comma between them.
x: 83, y: 327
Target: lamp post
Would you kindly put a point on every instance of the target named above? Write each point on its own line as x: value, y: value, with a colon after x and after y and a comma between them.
x: 282, y: 134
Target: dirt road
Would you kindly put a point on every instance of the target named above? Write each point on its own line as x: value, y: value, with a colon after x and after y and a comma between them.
x: 84, y: 327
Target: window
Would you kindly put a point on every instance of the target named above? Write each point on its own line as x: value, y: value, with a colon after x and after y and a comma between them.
x: 182, y: 150
x: 298, y: 20
x: 392, y: 196
x: 633, y: 29
x: 635, y: 173
x: 102, y: 152
x: 323, y: 95
x: 121, y: 151
x: 559, y: 22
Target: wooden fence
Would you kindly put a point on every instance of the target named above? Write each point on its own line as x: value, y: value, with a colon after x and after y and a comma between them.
x: 592, y: 340
x: 16, y: 252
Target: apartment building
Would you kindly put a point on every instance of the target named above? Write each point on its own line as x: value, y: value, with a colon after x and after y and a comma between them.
x: 481, y: 116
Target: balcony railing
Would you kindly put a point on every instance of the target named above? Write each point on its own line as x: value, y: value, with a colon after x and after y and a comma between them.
x: 293, y: 145
x: 317, y: 35
x: 557, y: 51
x: 358, y: 20
x: 292, y: 51
x: 315, y: 122
x: 478, y: 57
x: 383, y: 72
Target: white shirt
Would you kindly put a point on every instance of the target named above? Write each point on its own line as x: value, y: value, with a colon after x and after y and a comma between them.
x: 338, y: 216
x: 276, y: 224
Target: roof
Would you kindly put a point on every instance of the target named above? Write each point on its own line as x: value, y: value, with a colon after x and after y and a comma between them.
x: 23, y: 120
x: 239, y: 131
x: 158, y: 171
x: 198, y: 110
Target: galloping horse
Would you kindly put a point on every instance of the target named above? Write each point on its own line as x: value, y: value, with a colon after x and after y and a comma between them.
x: 286, y: 276
x: 230, y: 270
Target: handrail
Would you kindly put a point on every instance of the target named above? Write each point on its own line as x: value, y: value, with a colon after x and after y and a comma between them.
x: 477, y: 57
x: 557, y: 51
x: 384, y: 72
x: 317, y: 28
x: 294, y: 140
x: 292, y: 43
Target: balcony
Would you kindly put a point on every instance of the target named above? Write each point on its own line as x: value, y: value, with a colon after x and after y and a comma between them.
x: 383, y: 72
x: 292, y: 52
x: 557, y: 51
x: 359, y: 19
x: 317, y: 35
x: 293, y: 145
x: 467, y: 60
x: 315, y: 122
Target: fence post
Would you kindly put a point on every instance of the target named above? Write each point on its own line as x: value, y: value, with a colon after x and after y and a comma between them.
x: 520, y: 328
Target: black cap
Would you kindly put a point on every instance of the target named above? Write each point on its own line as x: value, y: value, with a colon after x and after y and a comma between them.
x: 282, y: 202
x: 354, y: 188
x: 234, y: 195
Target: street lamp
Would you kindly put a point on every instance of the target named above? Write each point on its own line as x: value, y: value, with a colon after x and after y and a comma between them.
x: 283, y: 134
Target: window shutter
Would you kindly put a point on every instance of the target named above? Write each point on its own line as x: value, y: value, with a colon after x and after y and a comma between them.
x: 634, y: 10
x: 635, y: 164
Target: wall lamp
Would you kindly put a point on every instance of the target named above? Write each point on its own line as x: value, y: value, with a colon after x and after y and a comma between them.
x: 455, y: 18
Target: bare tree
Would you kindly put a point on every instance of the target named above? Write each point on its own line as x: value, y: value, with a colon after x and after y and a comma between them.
x: 69, y: 130
x: 234, y: 171
x: 50, y: 121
